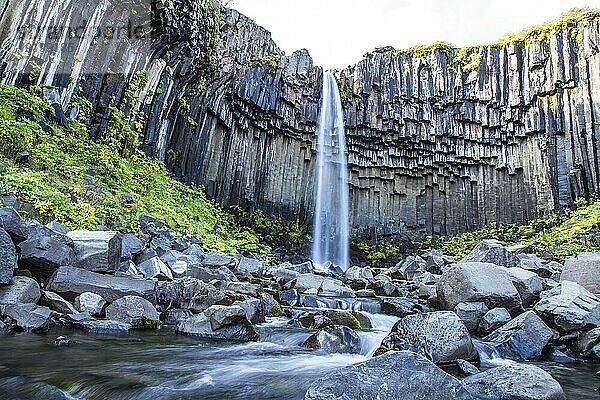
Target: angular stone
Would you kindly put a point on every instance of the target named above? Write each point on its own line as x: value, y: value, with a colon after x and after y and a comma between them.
x: 135, y: 311
x: 471, y: 314
x: 493, y: 252
x: 248, y: 267
x: 528, y: 284
x: 210, y: 274
x: 21, y: 290
x: 334, y: 339
x: 104, y: 327
x: 177, y: 262
x: 97, y: 251
x: 44, y: 255
x: 174, y: 316
x: 359, y: 274
x: 131, y: 246
x: 409, y: 269
x: 70, y: 282
x: 29, y: 317
x: 288, y: 297
x: 222, y: 316
x: 8, y: 258
x: 400, y: 306
x: 155, y: 268
x: 199, y: 325
x: 583, y: 269
x: 494, y: 319
x: 56, y: 303
x: 190, y: 294
x: 254, y: 309
x: 218, y: 259
x: 322, y: 286
x: 91, y: 303
x: 13, y: 224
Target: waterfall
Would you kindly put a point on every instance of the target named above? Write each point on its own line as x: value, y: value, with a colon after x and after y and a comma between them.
x: 331, y: 235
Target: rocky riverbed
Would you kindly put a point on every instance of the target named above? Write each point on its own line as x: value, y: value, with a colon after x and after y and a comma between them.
x: 91, y: 314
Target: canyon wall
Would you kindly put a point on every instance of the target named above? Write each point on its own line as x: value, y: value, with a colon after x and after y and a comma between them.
x: 436, y: 145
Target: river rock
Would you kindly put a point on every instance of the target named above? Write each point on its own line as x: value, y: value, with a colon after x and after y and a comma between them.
x: 135, y: 311
x: 396, y: 375
x: 155, y: 268
x: 334, y: 339
x: 476, y: 281
x: 44, y: 255
x: 104, y: 327
x: 90, y: 302
x: 466, y: 367
x: 359, y: 274
x: 288, y: 297
x: 254, y: 309
x: 471, y: 314
x: 29, y: 317
x: 8, y: 258
x: 70, y: 282
x: 20, y: 290
x: 528, y: 284
x: 523, y: 338
x: 221, y: 316
x: 569, y: 307
x: 584, y: 269
x: 97, y: 251
x: 322, y: 286
x: 175, y: 315
x: 514, y: 382
x: 200, y: 325
x: 131, y: 246
x: 494, y: 319
x: 191, y: 294
x: 587, y: 344
x: 56, y: 303
x: 493, y: 252
x: 440, y: 336
x: 13, y: 224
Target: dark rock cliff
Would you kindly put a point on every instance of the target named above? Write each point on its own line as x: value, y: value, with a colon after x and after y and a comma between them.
x: 436, y: 146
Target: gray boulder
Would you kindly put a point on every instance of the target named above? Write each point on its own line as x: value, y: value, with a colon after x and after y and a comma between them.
x: 177, y: 262
x: 514, y: 382
x: 493, y: 252
x: 587, y: 344
x: 44, y: 255
x: 70, y: 282
x: 476, y: 281
x: 288, y: 297
x: 131, y: 246
x: 104, y: 327
x: 322, y: 286
x: 174, y: 316
x: 283, y: 275
x: 494, y: 319
x: 248, y: 267
x: 254, y: 309
x: 29, y: 317
x: 222, y: 316
x: 471, y: 314
x: 409, y: 269
x: 396, y: 375
x: 20, y: 290
x: 359, y: 274
x: 8, y: 258
x: 440, y: 336
x: 210, y: 274
x: 523, y: 338
x: 400, y: 306
x: 217, y: 259
x: 190, y: 294
x: 334, y: 339
x: 531, y: 262
x: 135, y: 311
x: 13, y: 224
x: 97, y: 251
x: 569, y: 307
x: 244, y: 288
x: 528, y: 284
x: 90, y: 302
x: 583, y: 269
x: 200, y: 325
x: 155, y: 268
x: 56, y: 303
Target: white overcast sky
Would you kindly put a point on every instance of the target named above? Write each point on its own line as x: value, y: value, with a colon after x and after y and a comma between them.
x: 338, y: 32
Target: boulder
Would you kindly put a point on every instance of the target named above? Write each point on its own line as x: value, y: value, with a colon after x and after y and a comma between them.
x: 493, y: 252
x: 569, y: 307
x: 303, y: 268
x: 531, y: 262
x: 13, y: 224
x: 587, y: 344
x: 514, y: 382
x: 37, y: 231
x: 200, y: 325
x: 435, y: 262
x: 244, y: 288
x: 288, y: 297
x: 217, y: 259
x: 476, y: 281
x: 135, y: 311
x: 400, y: 306
x: 174, y: 316
x: 44, y: 255
x: 523, y: 338
x: 334, y: 339
x: 359, y: 274
x: 211, y: 274
x: 20, y: 290
x: 313, y: 320
x: 528, y: 284
x: 222, y: 316
x: 29, y: 317
x: 254, y: 309
x: 57, y: 227
x: 409, y: 269
x: 56, y: 303
x: 8, y: 258
x: 131, y: 246
x: 248, y: 267
x: 466, y: 367
x: 583, y: 269
x: 104, y: 327
x: 322, y: 286
x: 440, y: 336
x: 283, y: 275
x: 177, y: 262
x: 90, y: 302
x: 471, y: 314
x: 70, y: 282
x: 190, y: 294
x: 396, y: 375
x: 494, y: 319
x: 97, y: 251
x: 155, y: 268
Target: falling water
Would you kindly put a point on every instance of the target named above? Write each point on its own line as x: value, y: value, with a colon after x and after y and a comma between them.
x: 332, y: 213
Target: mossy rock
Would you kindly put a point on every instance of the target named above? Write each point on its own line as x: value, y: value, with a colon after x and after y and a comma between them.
x: 276, y: 311
x: 365, y: 322
x: 344, y: 318
x: 380, y: 350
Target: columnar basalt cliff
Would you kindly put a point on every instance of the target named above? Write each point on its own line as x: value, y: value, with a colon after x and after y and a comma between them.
x: 436, y: 145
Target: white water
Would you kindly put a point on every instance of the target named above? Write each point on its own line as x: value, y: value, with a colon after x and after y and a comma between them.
x: 332, y: 195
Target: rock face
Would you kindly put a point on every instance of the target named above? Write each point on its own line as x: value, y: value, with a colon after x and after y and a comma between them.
x: 478, y: 282
x: 425, y: 131
x: 583, y: 269
x: 96, y: 251
x: 440, y: 336
x: 514, y: 382
x: 392, y: 376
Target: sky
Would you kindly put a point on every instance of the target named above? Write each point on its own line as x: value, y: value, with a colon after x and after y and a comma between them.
x: 338, y: 32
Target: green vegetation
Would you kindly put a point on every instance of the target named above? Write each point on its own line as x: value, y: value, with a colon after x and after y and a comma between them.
x: 377, y: 254
x: 270, y: 60
x: 57, y: 181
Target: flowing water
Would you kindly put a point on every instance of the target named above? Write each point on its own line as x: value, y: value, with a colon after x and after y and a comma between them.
x: 161, y: 365
x: 332, y: 193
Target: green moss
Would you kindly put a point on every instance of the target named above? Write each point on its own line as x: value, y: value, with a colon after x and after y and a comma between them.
x: 377, y: 254
x: 344, y: 318
x: 136, y: 84
x: 271, y: 60
x: 53, y: 182
x: 276, y: 311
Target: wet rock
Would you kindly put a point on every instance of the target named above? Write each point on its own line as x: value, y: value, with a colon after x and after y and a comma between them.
x: 368, y: 293
x: 288, y: 297
x: 334, y: 339
x: 440, y: 336
x: 322, y: 286
x: 29, y: 317
x: 174, y: 316
x: 97, y: 251
x: 200, y: 325
x: 584, y: 269
x: 249, y: 267
x: 63, y: 341
x: 44, y: 255
x: 254, y: 309
x: 56, y: 303
x: 409, y: 269
x: 191, y: 294
x: 271, y: 307
x: 569, y: 307
x: 475, y: 281
x: 222, y: 316
x: 494, y: 319
x: 400, y: 306
x: 514, y: 382
x: 394, y: 375
x: 90, y: 302
x: 155, y: 268
x: 131, y: 246
x: 313, y: 320
x: 104, y: 327
x: 471, y: 314
x: 70, y: 282
x: 493, y: 252
x: 8, y: 258
x: 528, y: 284
x: 135, y: 311
x: 467, y: 368
x: 587, y: 344
x: 13, y: 224
x: 217, y: 259
x: 523, y: 338
x: 21, y: 290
